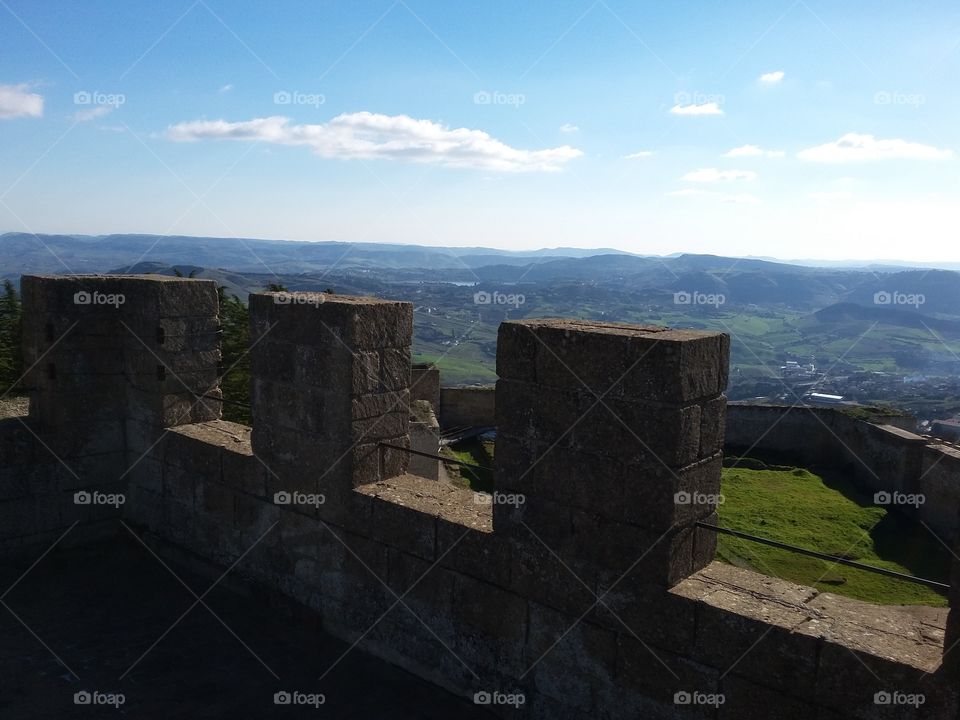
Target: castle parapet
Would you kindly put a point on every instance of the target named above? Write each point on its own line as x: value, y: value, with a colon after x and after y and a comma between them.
x: 331, y: 383
x: 613, y: 435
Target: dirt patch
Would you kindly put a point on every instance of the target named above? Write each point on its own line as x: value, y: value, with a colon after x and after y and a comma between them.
x: 13, y: 406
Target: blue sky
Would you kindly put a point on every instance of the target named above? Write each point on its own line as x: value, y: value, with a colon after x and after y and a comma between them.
x: 512, y: 125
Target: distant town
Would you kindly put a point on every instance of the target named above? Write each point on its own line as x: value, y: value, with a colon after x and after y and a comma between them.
x: 925, y: 397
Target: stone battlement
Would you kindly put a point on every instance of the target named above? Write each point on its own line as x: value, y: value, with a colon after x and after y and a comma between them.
x: 582, y: 583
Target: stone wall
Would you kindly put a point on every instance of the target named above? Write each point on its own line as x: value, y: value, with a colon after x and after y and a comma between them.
x: 424, y: 438
x: 467, y: 407
x: 879, y: 458
x: 939, y: 480
x: 425, y: 384
x: 583, y: 585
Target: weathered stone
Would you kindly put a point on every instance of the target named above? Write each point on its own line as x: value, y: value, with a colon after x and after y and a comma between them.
x: 652, y: 363
x: 744, y: 700
x: 713, y: 417
x: 666, y: 677
x: 749, y: 622
x: 474, y: 551
x: 495, y: 639
x: 569, y: 657
x: 407, y: 529
x: 365, y: 370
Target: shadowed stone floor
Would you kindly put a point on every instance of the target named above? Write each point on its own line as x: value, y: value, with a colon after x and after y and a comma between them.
x: 99, y: 608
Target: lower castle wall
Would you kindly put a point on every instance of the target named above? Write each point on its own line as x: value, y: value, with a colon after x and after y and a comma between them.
x: 467, y: 406
x: 878, y: 458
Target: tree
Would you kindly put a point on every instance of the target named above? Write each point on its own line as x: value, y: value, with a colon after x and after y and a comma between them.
x: 235, y: 365
x: 11, y: 337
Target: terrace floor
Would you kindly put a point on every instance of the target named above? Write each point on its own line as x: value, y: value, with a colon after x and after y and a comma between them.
x: 87, y: 614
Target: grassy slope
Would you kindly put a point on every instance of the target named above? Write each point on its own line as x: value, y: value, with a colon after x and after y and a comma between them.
x: 800, y: 508
x: 475, y: 452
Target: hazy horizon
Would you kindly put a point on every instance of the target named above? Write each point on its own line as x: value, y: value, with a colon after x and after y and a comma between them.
x: 812, y: 261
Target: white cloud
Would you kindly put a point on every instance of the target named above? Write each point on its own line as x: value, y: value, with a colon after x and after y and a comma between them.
x: 832, y: 195
x: 707, y: 108
x: 733, y: 198
x: 16, y: 101
x: 710, y: 175
x: 771, y: 78
x: 752, y: 151
x: 371, y: 135
x: 92, y: 113
x: 855, y: 147
x: 640, y: 154
x: 568, y: 128
x: 226, y: 88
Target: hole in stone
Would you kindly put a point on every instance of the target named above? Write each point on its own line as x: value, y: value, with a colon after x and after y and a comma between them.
x: 161, y: 336
x: 161, y: 372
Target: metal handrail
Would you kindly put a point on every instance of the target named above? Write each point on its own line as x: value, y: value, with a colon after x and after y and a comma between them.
x: 824, y: 556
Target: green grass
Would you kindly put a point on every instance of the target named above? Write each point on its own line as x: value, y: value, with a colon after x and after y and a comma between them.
x: 475, y: 452
x: 798, y: 507
x: 458, y: 370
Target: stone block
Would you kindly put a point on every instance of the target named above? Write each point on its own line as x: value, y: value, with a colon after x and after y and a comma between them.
x: 188, y: 334
x: 244, y: 472
x: 394, y: 371
x: 480, y: 554
x: 389, y: 425
x: 517, y: 348
x: 425, y: 591
x: 639, y: 362
x: 183, y: 297
x: 859, y: 687
x: 404, y: 528
x: 515, y: 460
x: 572, y: 417
x: 179, y: 484
x: 365, y: 372
x: 528, y: 410
x: 568, y: 656
x: 357, y: 323
x: 659, y: 557
x: 305, y: 453
x: 491, y: 625
x: 536, y: 519
x: 658, y: 497
x: 713, y: 425
x: 215, y: 500
x: 750, y: 622
x: 538, y: 573
x: 628, y: 603
x: 374, y: 405
x: 744, y: 700
x: 274, y: 362
x: 660, y: 675
x: 581, y: 480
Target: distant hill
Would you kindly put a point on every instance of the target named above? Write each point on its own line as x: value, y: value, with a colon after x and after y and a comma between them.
x: 891, y: 316
x: 242, y: 263
x: 25, y: 252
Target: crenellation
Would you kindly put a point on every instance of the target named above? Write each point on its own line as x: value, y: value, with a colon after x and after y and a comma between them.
x: 582, y: 582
